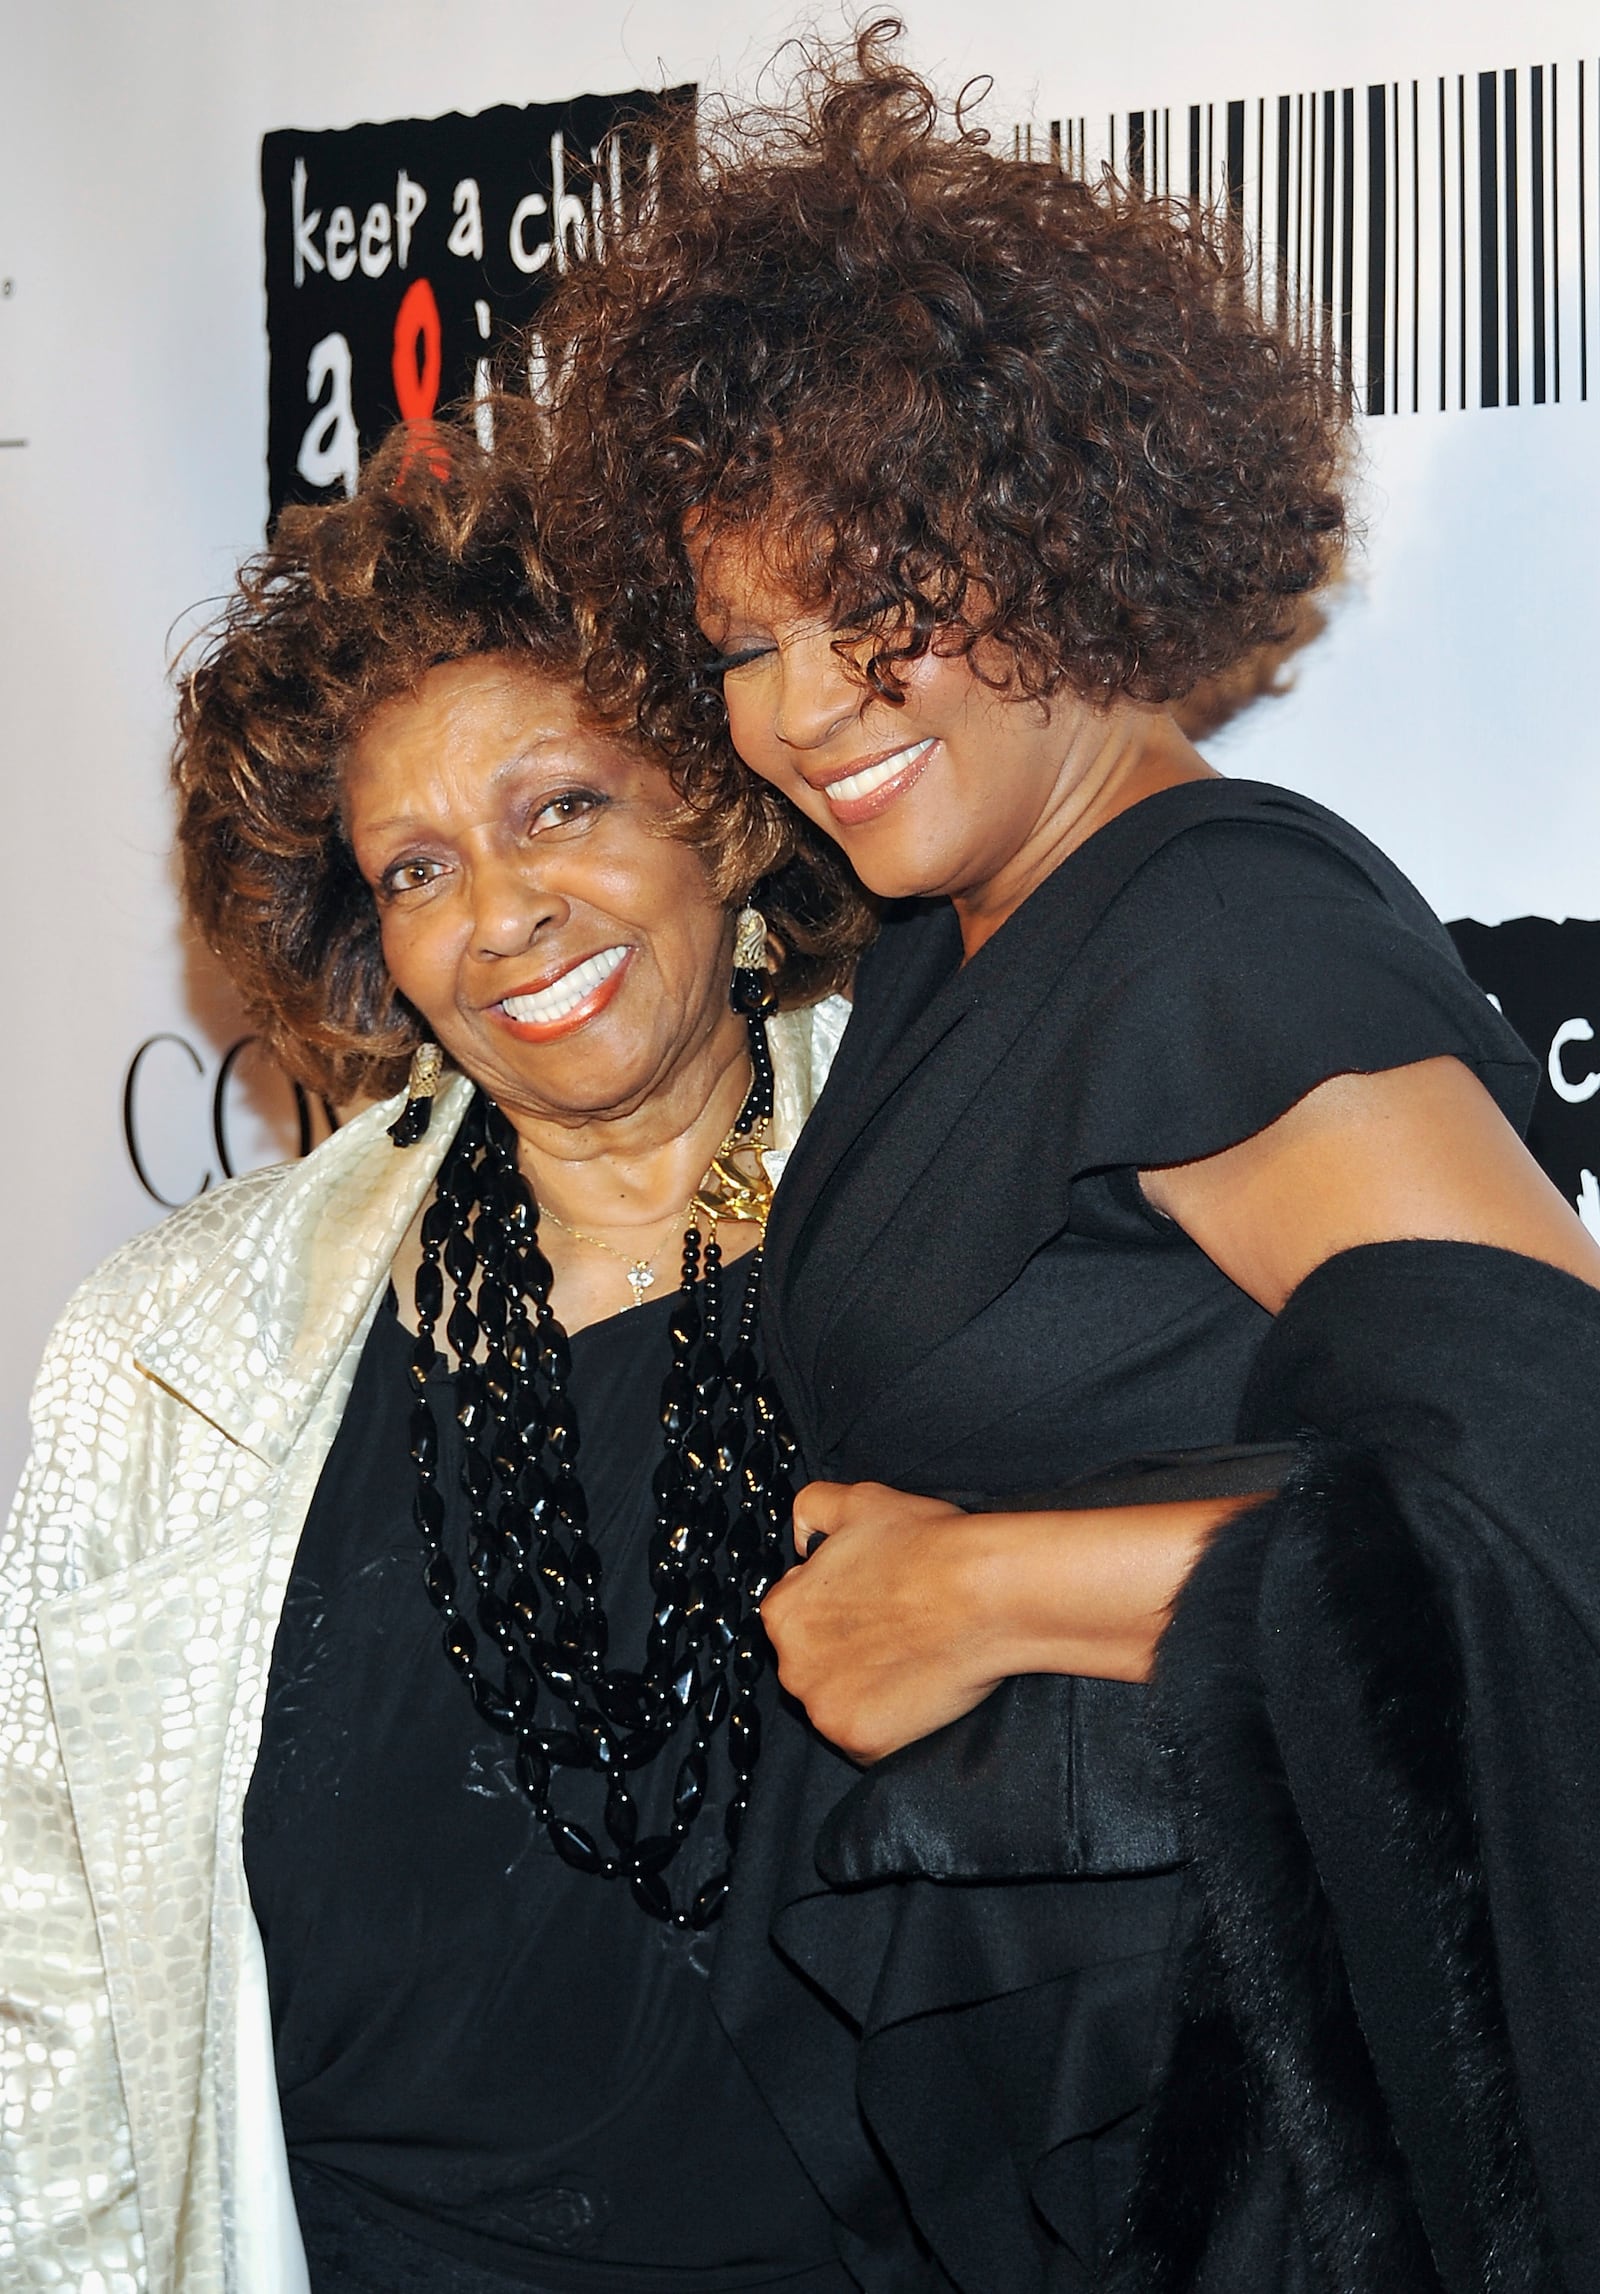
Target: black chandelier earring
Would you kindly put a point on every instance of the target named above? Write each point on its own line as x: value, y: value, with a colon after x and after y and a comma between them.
x: 752, y: 988
x: 427, y: 1073
x: 753, y: 997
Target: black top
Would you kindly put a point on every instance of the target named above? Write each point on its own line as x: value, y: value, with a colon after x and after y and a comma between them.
x: 966, y: 1290
x: 502, y: 2056
x: 968, y: 1295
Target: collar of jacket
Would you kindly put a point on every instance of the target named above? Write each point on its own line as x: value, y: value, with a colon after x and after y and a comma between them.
x: 250, y: 1343
x: 252, y: 1340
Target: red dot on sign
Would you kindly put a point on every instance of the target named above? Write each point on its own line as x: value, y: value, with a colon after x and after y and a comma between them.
x: 418, y: 367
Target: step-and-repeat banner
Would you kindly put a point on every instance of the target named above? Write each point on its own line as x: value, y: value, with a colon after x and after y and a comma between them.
x: 231, y: 256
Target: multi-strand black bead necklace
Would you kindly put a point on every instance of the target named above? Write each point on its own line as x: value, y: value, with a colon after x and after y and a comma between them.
x: 533, y: 1581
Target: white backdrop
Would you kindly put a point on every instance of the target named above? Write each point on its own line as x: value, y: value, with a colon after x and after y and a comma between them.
x: 1448, y: 708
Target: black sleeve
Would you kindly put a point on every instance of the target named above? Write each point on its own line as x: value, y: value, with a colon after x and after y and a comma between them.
x: 1245, y: 963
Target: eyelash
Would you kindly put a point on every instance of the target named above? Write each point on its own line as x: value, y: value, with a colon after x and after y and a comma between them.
x: 723, y: 662
x: 588, y: 800
x: 389, y: 885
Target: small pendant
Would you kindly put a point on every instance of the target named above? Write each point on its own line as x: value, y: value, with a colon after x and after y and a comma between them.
x: 642, y: 1277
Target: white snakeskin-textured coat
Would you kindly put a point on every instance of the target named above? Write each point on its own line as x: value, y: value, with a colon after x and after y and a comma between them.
x: 186, y: 1404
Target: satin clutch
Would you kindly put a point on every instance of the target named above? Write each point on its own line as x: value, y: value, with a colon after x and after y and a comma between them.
x: 1053, y: 1776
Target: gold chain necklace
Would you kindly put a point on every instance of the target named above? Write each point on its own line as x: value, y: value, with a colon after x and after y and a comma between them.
x: 735, y: 1187
x: 641, y: 1273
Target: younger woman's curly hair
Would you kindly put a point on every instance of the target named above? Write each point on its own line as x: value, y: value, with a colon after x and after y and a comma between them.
x: 437, y: 556
x: 956, y: 393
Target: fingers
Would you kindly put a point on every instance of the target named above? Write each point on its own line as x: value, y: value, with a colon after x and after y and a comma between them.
x: 817, y: 1512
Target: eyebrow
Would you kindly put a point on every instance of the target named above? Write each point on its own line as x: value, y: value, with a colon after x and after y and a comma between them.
x: 528, y: 754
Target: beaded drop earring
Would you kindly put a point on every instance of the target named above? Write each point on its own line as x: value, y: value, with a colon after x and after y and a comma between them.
x: 752, y: 989
x: 427, y: 1072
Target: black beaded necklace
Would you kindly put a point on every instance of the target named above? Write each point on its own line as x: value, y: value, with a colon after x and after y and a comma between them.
x: 722, y: 1495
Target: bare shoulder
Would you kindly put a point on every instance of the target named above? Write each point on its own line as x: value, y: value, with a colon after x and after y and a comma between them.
x: 1416, y: 1153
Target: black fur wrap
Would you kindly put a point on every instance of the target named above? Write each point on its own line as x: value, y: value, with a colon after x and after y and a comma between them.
x: 1379, y: 1706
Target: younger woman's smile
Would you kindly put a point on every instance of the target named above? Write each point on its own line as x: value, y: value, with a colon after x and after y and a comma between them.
x: 861, y: 793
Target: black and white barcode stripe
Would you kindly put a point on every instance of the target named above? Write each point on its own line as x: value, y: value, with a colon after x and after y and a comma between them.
x: 1441, y: 232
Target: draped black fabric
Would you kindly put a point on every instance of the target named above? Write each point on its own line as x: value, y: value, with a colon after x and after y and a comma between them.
x: 965, y: 1290
x: 1381, y: 1699
x: 954, y: 1982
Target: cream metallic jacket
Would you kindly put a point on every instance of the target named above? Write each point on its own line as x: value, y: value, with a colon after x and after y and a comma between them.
x: 187, y: 1401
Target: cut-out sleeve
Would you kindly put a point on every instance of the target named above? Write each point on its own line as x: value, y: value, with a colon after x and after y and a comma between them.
x: 1247, y: 963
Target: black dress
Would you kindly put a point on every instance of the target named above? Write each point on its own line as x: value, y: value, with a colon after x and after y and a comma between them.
x: 967, y: 1295
x: 494, y: 2071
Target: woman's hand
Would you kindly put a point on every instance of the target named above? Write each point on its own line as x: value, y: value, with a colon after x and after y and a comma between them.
x: 882, y: 1634
x: 908, y: 1611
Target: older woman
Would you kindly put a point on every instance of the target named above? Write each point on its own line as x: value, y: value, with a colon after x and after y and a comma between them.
x: 1166, y: 1120
x: 383, y: 1687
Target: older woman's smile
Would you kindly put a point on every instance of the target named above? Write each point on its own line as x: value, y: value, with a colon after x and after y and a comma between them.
x: 561, y: 943
x: 576, y: 995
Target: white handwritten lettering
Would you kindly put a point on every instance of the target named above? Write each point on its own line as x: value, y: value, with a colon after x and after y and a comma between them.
x: 330, y: 451
x: 1571, y: 1031
x: 375, y: 247
x: 1589, y: 1203
x: 527, y: 259
x: 340, y: 245
x: 305, y: 246
x: 409, y: 201
x: 570, y: 226
x: 466, y: 232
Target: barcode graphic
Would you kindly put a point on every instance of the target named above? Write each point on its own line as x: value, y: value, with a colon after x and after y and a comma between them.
x: 1441, y: 233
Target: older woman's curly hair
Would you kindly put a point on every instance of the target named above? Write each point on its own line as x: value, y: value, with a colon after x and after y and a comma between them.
x: 956, y: 392
x: 437, y: 556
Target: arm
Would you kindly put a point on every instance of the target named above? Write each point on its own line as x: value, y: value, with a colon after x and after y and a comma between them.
x: 1418, y: 1154
x: 911, y: 1612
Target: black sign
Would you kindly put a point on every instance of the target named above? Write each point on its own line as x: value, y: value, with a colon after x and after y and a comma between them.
x: 402, y: 257
x: 1545, y: 977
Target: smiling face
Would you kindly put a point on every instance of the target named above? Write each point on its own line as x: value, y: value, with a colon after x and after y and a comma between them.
x: 934, y: 795
x: 958, y: 790
x: 562, y: 945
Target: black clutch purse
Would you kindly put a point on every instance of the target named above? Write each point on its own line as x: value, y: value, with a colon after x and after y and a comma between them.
x: 1053, y: 1776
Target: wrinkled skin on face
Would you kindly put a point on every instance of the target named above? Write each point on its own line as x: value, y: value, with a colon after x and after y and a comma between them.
x: 567, y: 951
x: 562, y: 945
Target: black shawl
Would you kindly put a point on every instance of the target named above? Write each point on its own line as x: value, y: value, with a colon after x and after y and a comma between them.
x: 1380, y: 1706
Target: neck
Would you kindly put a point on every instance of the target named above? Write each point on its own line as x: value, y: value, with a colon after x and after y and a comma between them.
x: 1110, y: 759
x: 638, y: 1168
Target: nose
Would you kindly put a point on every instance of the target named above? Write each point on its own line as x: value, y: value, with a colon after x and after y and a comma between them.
x: 817, y: 696
x: 513, y: 901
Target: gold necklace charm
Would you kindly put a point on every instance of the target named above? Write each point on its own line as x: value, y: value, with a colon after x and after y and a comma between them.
x: 736, y: 1187
x: 641, y: 1273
